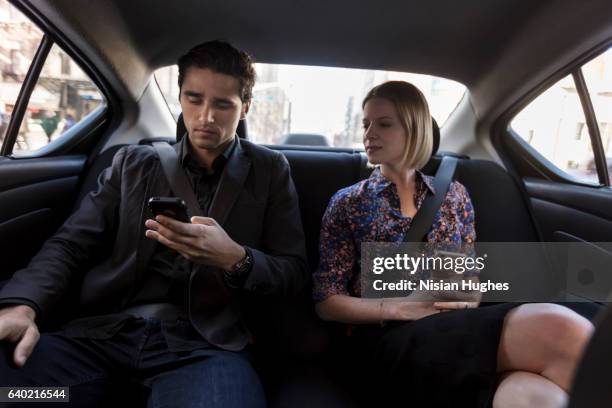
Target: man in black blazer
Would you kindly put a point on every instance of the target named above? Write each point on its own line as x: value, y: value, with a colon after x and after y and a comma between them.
x: 161, y: 299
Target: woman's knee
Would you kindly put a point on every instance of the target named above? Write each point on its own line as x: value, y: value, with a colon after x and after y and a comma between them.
x: 524, y: 389
x: 544, y: 338
x: 562, y: 333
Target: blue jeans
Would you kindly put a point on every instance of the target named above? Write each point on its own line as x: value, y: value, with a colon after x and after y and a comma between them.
x: 138, y: 353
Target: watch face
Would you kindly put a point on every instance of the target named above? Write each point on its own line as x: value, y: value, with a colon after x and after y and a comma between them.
x: 244, y: 263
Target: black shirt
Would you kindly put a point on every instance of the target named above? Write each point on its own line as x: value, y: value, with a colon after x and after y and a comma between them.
x: 167, y: 277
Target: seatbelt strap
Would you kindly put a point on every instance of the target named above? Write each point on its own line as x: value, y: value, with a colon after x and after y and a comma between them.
x: 423, y: 219
x: 177, y: 178
x: 217, y: 319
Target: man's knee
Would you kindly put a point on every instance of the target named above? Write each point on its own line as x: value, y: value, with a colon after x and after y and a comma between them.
x: 53, y: 362
x: 237, y: 383
x: 225, y: 380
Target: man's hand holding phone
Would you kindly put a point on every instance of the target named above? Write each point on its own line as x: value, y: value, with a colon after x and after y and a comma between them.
x: 202, y: 240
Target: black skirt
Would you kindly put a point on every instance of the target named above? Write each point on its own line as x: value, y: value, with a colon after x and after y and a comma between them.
x: 443, y: 360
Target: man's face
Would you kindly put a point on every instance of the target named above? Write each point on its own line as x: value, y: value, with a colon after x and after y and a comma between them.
x: 211, y: 107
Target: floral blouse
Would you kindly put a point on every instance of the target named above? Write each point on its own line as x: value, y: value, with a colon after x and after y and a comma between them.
x: 370, y: 211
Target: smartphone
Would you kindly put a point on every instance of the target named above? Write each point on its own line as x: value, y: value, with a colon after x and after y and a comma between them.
x: 170, y: 207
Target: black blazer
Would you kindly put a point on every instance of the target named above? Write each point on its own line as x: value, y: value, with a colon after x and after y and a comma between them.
x: 104, y: 239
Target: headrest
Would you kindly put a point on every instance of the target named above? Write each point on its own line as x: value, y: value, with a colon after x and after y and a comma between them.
x: 181, y: 129
x: 436, y: 136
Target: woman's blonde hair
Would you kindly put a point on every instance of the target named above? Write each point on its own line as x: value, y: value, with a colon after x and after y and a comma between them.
x: 414, y: 116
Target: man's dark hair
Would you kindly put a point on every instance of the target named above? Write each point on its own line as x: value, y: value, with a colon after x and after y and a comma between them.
x: 221, y: 57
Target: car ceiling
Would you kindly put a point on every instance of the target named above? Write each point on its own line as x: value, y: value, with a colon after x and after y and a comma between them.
x: 499, y: 49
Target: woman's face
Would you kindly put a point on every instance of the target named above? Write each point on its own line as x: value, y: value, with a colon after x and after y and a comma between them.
x: 384, y: 137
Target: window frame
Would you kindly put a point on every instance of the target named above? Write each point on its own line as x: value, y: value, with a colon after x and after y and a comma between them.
x: 53, y: 36
x: 593, y: 126
x: 23, y: 98
x: 505, y: 137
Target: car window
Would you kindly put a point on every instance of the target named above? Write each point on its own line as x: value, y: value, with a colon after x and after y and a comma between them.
x: 63, y: 94
x: 19, y: 40
x: 318, y: 106
x: 554, y: 124
x: 598, y: 77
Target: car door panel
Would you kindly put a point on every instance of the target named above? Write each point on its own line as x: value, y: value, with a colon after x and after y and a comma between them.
x: 584, y: 212
x: 36, y: 195
x: 581, y: 215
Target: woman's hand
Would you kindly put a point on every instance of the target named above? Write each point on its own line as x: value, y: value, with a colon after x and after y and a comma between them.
x: 402, y: 309
x: 446, y: 306
x: 407, y: 309
x: 355, y: 310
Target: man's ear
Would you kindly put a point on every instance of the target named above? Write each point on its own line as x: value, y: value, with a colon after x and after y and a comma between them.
x: 245, y: 109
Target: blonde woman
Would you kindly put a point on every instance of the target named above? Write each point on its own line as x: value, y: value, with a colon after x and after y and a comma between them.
x: 504, y: 355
